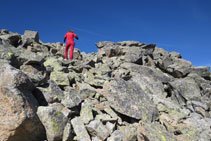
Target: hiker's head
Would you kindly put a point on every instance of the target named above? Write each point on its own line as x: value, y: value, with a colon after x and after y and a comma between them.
x: 71, y: 31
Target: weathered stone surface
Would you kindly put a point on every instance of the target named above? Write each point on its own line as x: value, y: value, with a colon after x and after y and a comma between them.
x: 53, y: 120
x: 54, y: 63
x: 68, y: 133
x: 14, y: 38
x: 72, y: 99
x: 52, y: 93
x: 105, y: 118
x: 129, y: 99
x: 153, y: 131
x: 117, y: 135
x: 110, y: 126
x: 186, y: 88
x: 96, y: 128
x: 86, y: 111
x: 80, y: 129
x: 202, y: 71
x: 60, y: 78
x: 130, y: 43
x: 104, y: 44
x: 18, y: 107
x: 31, y: 35
x: 179, y: 68
x: 129, y: 132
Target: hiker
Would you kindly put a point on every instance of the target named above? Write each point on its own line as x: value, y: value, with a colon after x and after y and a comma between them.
x: 70, y: 43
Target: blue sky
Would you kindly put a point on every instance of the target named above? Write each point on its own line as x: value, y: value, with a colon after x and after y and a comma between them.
x: 183, y: 26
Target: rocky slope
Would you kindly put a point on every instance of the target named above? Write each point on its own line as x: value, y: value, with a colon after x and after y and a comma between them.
x: 127, y: 91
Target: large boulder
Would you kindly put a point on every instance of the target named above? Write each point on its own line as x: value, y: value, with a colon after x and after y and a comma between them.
x: 54, y: 120
x: 128, y: 98
x: 19, y: 121
x: 96, y: 128
x: 187, y: 89
x: 28, y: 34
x: 154, y: 131
x: 80, y: 129
x: 13, y: 38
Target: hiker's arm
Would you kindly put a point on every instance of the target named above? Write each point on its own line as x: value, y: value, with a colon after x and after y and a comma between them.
x: 76, y: 37
x: 64, y: 39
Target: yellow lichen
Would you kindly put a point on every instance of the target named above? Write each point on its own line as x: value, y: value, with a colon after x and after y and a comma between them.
x: 163, y: 138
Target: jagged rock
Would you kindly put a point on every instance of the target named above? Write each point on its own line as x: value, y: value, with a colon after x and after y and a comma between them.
x: 96, y: 128
x: 14, y: 38
x: 52, y: 93
x: 31, y: 35
x: 179, y: 68
x: 129, y: 132
x: 54, y: 120
x: 187, y: 89
x: 54, y: 63
x: 96, y: 139
x: 111, y: 112
x: 18, y: 107
x: 117, y: 135
x: 110, y: 126
x: 105, y: 118
x: 104, y: 44
x: 60, y: 78
x: 86, y: 111
x: 153, y: 131
x: 202, y: 71
x: 159, y: 53
x: 175, y: 55
x: 129, y: 99
x: 68, y: 133
x: 80, y: 129
x: 72, y: 98
x: 130, y: 43
x: 34, y: 71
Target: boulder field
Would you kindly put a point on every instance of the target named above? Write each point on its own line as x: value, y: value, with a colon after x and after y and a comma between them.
x: 126, y: 91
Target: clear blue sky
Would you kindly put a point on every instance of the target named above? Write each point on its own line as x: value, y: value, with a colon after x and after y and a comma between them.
x: 175, y: 25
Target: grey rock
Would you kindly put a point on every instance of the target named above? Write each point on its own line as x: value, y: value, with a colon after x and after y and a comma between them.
x: 105, y: 118
x: 52, y: 93
x: 80, y: 129
x: 159, y: 53
x: 130, y: 132
x: 187, y: 88
x: 179, y: 68
x: 96, y: 128
x: 117, y: 135
x: 72, y: 99
x: 19, y: 120
x: 68, y: 133
x: 31, y: 35
x: 130, y: 43
x: 153, y: 131
x: 175, y: 55
x: 60, y: 78
x: 14, y: 39
x: 54, y: 63
x: 53, y: 120
x: 110, y: 126
x: 86, y: 111
x: 104, y: 44
x: 202, y: 71
x: 129, y: 99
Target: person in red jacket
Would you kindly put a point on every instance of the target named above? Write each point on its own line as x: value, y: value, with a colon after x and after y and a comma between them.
x: 70, y: 43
